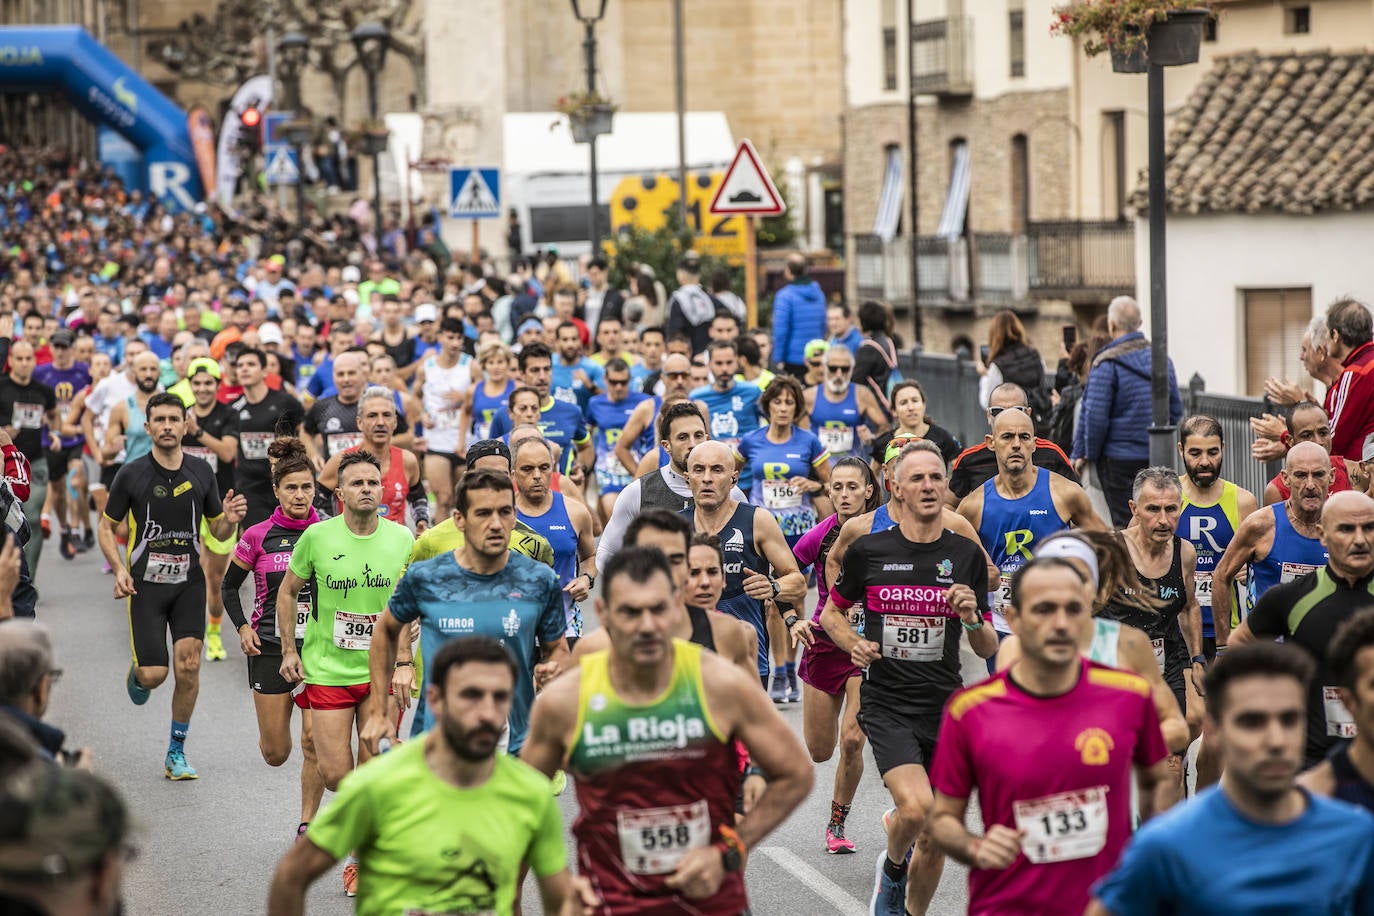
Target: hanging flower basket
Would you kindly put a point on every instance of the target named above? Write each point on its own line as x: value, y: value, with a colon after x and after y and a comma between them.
x: 1135, y: 32
x: 589, y: 114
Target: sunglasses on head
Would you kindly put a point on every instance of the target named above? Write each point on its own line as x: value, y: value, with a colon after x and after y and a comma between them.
x: 996, y: 412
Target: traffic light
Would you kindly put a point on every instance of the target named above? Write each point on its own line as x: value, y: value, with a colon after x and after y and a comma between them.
x: 250, y: 136
x: 251, y: 118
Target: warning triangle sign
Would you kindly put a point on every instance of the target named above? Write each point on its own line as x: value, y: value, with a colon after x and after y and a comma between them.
x: 281, y: 167
x: 747, y: 187
x: 474, y: 198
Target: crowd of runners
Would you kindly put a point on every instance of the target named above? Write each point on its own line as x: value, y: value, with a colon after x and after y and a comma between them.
x: 492, y: 535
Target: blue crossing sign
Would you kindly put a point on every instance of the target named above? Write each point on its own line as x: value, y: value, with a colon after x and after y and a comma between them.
x: 474, y: 193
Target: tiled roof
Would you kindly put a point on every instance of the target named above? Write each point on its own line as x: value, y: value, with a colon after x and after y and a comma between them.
x: 1288, y: 133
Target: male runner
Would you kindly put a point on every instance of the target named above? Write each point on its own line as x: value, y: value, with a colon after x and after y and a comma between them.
x: 26, y: 407
x: 915, y: 582
x: 560, y: 422
x: 575, y: 378
x: 1308, y: 610
x: 441, y: 384
x: 730, y: 406
x: 844, y: 416
x: 1020, y: 506
x: 751, y: 539
x: 65, y: 376
x: 565, y: 524
x: 677, y: 384
x: 401, y: 483
x: 163, y: 497
x: 648, y: 730
x: 482, y: 589
x: 1056, y: 811
x: 1279, y: 544
x: 1285, y: 850
x: 1348, y: 771
x: 446, y: 823
x: 607, y: 414
x: 976, y: 464
x: 331, y: 424
x: 264, y: 415
x: 1213, y: 509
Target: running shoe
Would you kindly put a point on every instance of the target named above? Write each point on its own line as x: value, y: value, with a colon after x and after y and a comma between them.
x: 889, y: 897
x: 137, y: 692
x: 67, y: 545
x: 350, y: 879
x: 89, y: 539
x: 176, y: 767
x: 560, y: 782
x: 836, y: 843
x: 793, y: 688
x: 46, y: 524
x: 778, y: 694
x: 81, y: 542
x: 214, y: 646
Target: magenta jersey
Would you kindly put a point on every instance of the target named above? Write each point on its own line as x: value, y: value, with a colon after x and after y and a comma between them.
x: 808, y: 551
x: 265, y: 549
x: 1059, y: 768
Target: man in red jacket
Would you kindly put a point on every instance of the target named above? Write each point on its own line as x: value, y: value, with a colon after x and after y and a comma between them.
x: 1351, y: 329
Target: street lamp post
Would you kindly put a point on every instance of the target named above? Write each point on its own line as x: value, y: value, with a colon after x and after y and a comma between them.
x: 589, y: 21
x: 371, y: 39
x: 292, y: 52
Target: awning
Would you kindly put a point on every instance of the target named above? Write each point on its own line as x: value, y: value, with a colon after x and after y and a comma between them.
x: 956, y: 204
x: 890, y: 201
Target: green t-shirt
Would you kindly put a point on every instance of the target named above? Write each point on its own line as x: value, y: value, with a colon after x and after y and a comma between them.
x: 351, y: 578
x: 426, y: 846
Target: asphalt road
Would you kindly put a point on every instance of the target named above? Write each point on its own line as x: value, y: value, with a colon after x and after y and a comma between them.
x: 208, y: 847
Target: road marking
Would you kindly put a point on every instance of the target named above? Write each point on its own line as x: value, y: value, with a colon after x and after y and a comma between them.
x: 831, y: 892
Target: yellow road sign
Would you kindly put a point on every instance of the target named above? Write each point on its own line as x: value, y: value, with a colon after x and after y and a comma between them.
x: 646, y: 201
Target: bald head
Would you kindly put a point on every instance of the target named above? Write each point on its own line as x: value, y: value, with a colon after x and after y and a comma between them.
x: 1307, y: 472
x: 1306, y: 454
x: 1348, y: 533
x: 711, y: 473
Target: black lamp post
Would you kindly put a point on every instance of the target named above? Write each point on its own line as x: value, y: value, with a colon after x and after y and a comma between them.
x: 292, y: 52
x: 589, y: 21
x: 371, y: 40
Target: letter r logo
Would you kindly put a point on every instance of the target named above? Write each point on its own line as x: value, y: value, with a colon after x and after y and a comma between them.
x: 1017, y: 542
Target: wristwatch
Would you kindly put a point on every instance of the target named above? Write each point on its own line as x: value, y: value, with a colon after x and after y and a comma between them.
x: 731, y: 850
x: 1200, y: 660
x: 591, y: 581
x: 790, y: 621
x: 777, y: 589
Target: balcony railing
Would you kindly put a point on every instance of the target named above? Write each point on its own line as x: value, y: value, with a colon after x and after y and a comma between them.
x: 1081, y: 261
x: 942, y: 55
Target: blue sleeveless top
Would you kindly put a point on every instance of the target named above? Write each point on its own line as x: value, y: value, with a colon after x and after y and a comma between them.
x: 882, y: 520
x: 836, y: 424
x: 1291, y: 557
x: 1011, y: 528
x: 484, y: 408
x: 557, y: 528
x: 137, y: 442
x: 1210, y: 530
x: 737, y: 544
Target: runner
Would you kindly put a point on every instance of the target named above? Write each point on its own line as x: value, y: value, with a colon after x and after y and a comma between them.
x: 505, y: 596
x: 975, y: 464
x: 677, y: 384
x: 264, y: 415
x: 1021, y: 506
x: 844, y: 416
x: 1307, y: 612
x: 444, y: 824
x: 331, y: 423
x: 1308, y: 423
x: 114, y: 389
x: 1348, y: 771
x: 483, y: 400
x: 647, y: 729
x: 1279, y: 544
x: 442, y: 384
x: 575, y: 377
x: 352, y: 563
x: 264, y: 551
x: 607, y: 414
x: 730, y: 406
x: 1213, y: 509
x: 914, y: 581
x: 830, y: 712
x: 908, y: 401
x: 163, y: 498
x: 1056, y: 812
x: 752, y: 541
x: 561, y: 423
x: 565, y: 524
x: 1286, y: 850
x: 26, y: 406
x: 401, y: 483
x: 65, y: 376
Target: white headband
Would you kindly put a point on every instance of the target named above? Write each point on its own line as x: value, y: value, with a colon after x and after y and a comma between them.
x: 1070, y: 547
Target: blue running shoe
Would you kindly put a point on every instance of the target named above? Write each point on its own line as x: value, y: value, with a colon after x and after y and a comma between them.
x: 177, y: 768
x: 889, y: 897
x: 137, y: 692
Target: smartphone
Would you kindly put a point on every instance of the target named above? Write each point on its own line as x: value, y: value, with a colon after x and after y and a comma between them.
x: 1070, y: 336
x: 983, y: 353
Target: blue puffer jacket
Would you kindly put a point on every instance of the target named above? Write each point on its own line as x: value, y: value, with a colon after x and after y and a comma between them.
x: 798, y: 317
x: 1115, y: 417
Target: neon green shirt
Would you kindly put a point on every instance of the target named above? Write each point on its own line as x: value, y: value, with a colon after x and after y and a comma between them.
x: 352, y: 578
x: 425, y: 846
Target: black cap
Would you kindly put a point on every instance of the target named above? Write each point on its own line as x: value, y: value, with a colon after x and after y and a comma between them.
x: 486, y: 448
x: 62, y: 338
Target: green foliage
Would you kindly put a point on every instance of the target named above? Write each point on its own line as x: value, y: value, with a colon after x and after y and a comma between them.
x: 661, y: 250
x: 778, y: 231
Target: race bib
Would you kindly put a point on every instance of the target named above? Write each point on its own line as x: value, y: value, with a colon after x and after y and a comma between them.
x: 28, y: 416
x: 254, y: 445
x: 167, y: 568
x: 913, y: 639
x: 1158, y: 646
x: 1290, y: 571
x: 342, y: 442
x: 204, y: 454
x: 1063, y: 827
x: 837, y: 439
x: 302, y: 616
x: 446, y: 419
x: 654, y: 840
x: 1003, y: 592
x: 779, y: 494
x: 1339, y: 722
x: 354, y: 631
x: 1202, y: 586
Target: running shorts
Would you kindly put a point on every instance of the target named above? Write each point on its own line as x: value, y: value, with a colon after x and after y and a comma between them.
x: 94, y: 473
x: 60, y: 460
x: 318, y: 696
x: 455, y: 462
x: 107, y: 474
x: 264, y: 675
x: 826, y: 666
x: 899, y: 737
x: 157, y: 609
x: 213, y: 544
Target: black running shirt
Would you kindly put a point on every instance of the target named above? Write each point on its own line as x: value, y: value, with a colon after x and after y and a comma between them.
x: 164, y: 509
x: 221, y: 421
x: 278, y: 414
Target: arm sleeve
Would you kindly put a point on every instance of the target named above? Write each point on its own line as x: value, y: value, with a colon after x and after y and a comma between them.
x: 316, y: 384
x: 848, y: 588
x: 234, y: 577
x: 500, y: 423
x: 808, y: 547
x: 419, y: 502
x: 16, y: 471
x: 613, y: 535
x: 347, y: 822
x: 1150, y: 749
x: 211, y: 505
x: 548, y: 854
x: 1092, y: 421
x: 782, y: 322
x: 117, y: 505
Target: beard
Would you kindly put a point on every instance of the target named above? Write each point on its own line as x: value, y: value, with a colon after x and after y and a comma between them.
x: 147, y: 386
x: 1203, y: 478
x: 471, y: 745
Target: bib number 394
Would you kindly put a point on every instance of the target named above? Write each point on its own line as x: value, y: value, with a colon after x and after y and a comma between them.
x: 167, y: 568
x: 353, y: 631
x: 1063, y: 827
x: 654, y: 840
x: 913, y: 639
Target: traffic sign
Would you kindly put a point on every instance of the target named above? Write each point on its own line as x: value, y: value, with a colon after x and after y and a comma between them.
x: 282, y: 167
x: 747, y: 187
x: 274, y: 127
x: 474, y: 193
x: 645, y: 201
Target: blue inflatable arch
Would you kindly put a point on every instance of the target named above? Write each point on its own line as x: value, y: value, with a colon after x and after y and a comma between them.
x: 107, y: 91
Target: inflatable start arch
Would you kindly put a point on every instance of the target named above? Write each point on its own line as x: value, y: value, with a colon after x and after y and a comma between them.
x: 107, y: 91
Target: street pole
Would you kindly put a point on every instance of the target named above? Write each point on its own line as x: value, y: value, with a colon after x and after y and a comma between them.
x: 1161, y: 432
x: 680, y: 97
x: 589, y: 46
x: 916, y: 325
x: 376, y: 161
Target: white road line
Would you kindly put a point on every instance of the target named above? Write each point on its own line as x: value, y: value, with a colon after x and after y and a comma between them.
x: 828, y: 890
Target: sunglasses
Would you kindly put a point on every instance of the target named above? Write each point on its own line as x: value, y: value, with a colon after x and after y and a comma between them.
x: 996, y: 412
x: 676, y: 374
x: 617, y: 381
x: 839, y: 370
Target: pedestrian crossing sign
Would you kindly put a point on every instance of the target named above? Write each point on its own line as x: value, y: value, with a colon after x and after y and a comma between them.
x: 474, y: 193
x: 281, y: 166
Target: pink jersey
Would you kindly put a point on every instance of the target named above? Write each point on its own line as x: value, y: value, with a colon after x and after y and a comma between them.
x: 1058, y: 768
x: 808, y: 551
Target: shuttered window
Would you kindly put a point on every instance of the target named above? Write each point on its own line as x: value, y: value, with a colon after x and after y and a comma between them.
x: 1275, y: 320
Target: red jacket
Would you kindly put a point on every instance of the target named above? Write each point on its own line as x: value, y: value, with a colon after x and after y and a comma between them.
x: 16, y: 471
x: 1352, y: 408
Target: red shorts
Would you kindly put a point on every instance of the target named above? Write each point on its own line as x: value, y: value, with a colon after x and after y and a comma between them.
x: 320, y: 697
x: 826, y: 666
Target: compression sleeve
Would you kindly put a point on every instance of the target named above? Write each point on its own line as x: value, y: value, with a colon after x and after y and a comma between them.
x: 625, y: 509
x: 229, y: 590
x: 419, y: 502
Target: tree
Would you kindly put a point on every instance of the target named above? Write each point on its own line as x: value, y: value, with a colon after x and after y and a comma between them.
x: 661, y: 250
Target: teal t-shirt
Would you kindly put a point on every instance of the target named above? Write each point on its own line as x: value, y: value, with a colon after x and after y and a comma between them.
x: 352, y: 579
x: 427, y: 846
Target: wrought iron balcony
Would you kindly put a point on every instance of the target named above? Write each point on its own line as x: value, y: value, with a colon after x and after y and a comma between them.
x: 942, y: 55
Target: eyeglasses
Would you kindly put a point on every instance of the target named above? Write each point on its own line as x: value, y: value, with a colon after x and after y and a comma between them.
x: 839, y: 370
x: 996, y: 412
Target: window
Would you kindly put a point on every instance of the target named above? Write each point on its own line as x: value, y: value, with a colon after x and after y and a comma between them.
x: 1114, y: 165
x: 1297, y: 20
x: 1020, y: 184
x: 890, y: 59
x: 1274, y: 320
x: 1016, y: 23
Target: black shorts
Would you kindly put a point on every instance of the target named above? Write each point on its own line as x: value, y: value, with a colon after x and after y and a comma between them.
x: 60, y: 460
x: 455, y: 462
x: 157, y: 609
x: 264, y: 671
x: 898, y: 737
x: 107, y: 474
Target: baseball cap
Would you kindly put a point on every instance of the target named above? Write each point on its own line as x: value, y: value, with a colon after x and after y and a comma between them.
x: 530, y: 324
x: 203, y: 364
x: 486, y: 448
x: 427, y: 312
x: 816, y: 348
x: 270, y: 333
x: 62, y: 338
x: 350, y: 274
